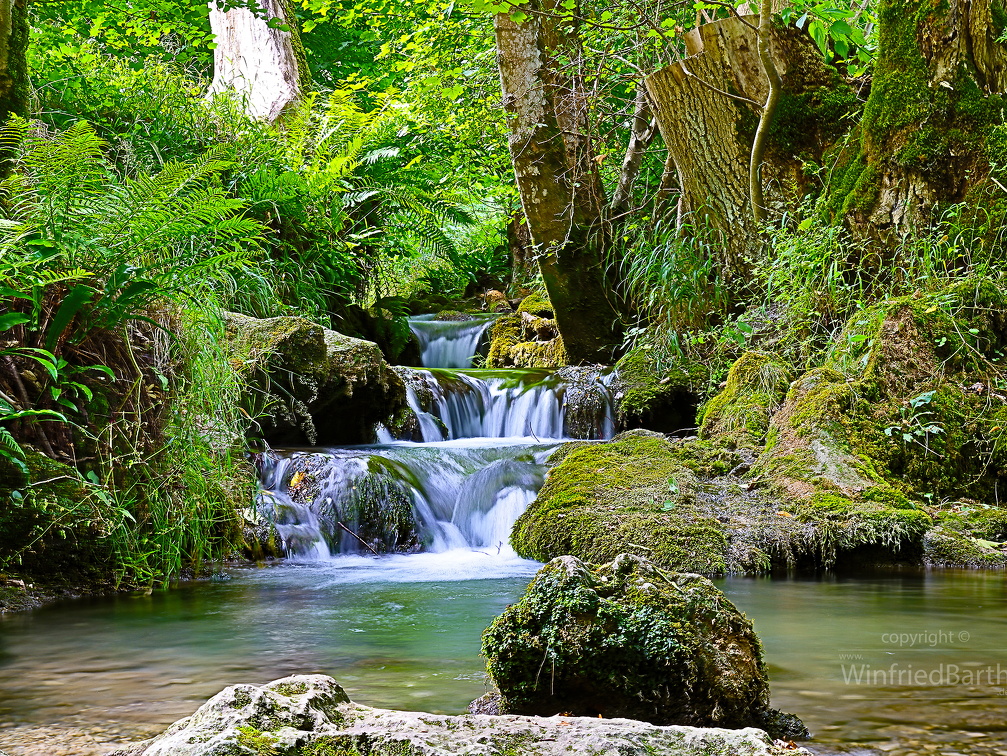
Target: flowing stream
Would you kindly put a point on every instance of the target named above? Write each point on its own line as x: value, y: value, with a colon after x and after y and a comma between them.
x: 457, y: 476
x: 402, y: 630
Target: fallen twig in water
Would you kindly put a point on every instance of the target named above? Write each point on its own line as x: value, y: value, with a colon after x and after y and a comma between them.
x: 358, y: 538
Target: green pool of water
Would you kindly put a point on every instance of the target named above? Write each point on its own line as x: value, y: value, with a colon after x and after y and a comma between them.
x: 403, y: 632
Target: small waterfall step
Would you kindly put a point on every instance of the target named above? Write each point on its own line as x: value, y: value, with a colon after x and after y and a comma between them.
x: 450, y: 343
x: 458, y: 476
x: 511, y: 403
x: 403, y: 497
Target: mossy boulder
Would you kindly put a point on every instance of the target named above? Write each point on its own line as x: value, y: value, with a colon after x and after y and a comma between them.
x: 310, y: 385
x: 627, y: 639
x: 384, y: 326
x: 658, y: 397
x: 632, y: 494
x: 739, y: 415
x: 905, y: 418
x: 536, y: 304
x: 527, y: 339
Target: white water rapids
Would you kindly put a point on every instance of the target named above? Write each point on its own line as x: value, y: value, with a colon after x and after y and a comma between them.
x: 457, y: 477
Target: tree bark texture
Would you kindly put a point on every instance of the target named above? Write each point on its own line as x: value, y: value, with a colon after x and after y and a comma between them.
x: 642, y: 132
x: 264, y: 66
x: 13, y: 58
x: 932, y: 126
x: 708, y: 107
x: 521, y: 248
x: 557, y: 175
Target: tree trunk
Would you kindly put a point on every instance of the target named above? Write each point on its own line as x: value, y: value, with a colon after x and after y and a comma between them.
x: 262, y: 65
x: 931, y: 126
x: 13, y: 58
x: 708, y: 107
x: 522, y: 252
x: 557, y: 176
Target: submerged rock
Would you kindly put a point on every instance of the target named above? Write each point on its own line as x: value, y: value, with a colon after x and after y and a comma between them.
x: 310, y: 715
x: 628, y: 640
x: 310, y: 385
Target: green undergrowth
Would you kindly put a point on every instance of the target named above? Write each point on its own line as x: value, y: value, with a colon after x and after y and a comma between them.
x: 904, y: 420
x: 755, y: 387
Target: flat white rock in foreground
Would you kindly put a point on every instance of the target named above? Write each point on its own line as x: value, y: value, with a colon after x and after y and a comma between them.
x: 310, y: 714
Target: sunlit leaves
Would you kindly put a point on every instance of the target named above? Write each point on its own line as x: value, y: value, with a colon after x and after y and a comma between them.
x: 846, y: 33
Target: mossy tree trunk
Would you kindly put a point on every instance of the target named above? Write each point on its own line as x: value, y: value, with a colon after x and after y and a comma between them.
x: 258, y: 60
x: 14, y: 30
x: 557, y: 175
x: 932, y: 129
x: 708, y: 108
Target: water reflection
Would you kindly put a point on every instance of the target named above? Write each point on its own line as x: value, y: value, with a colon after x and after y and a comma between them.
x: 403, y: 632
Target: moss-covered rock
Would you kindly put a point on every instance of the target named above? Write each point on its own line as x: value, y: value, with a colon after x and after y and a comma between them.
x: 627, y: 640
x: 949, y: 547
x: 660, y: 398
x: 309, y: 715
x: 904, y: 415
x: 630, y: 495
x: 504, y: 335
x: 539, y: 354
x: 527, y: 339
x: 310, y: 385
x: 739, y: 415
x: 538, y: 305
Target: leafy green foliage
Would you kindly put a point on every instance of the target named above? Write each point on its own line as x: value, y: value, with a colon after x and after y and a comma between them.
x: 845, y: 33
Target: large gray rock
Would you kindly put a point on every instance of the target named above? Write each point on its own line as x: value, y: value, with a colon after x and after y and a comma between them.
x: 629, y: 640
x: 310, y: 715
x: 309, y: 385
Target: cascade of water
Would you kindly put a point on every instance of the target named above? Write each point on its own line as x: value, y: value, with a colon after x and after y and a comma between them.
x: 449, y: 343
x: 485, y: 437
x: 435, y: 497
x: 508, y: 404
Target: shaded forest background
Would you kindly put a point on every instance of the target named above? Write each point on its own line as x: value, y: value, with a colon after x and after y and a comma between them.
x: 683, y: 181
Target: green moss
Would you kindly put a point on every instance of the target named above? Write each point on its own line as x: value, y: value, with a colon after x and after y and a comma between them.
x: 290, y: 689
x: 504, y: 335
x: 259, y: 743
x: 624, y: 640
x: 942, y: 130
x: 536, y: 304
x: 539, y: 354
x: 358, y: 745
x: 947, y: 547
x: 900, y: 94
x: 739, y: 415
x: 634, y: 496
x: 645, y: 387
x: 816, y: 116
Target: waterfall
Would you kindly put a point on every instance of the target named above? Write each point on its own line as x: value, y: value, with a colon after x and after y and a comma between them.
x: 456, y: 476
x: 512, y: 403
x: 449, y: 343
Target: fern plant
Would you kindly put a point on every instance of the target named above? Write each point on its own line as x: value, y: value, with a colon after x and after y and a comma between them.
x: 84, y: 251
x: 118, y: 243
